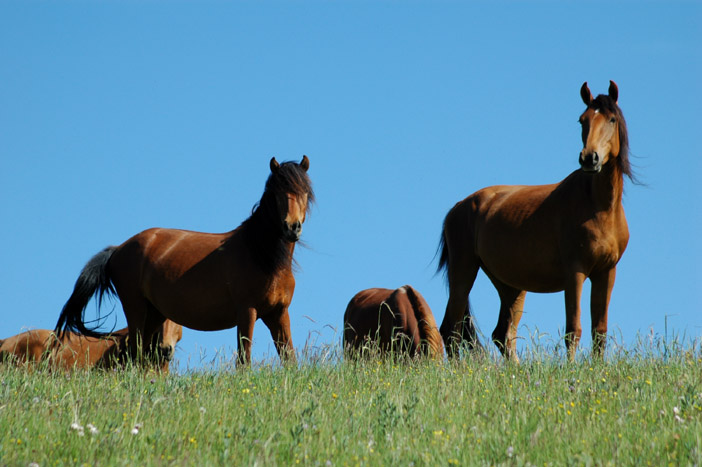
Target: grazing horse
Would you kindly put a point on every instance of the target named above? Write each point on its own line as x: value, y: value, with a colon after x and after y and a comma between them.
x: 397, y: 319
x: 544, y: 238
x: 206, y: 281
x: 73, y: 351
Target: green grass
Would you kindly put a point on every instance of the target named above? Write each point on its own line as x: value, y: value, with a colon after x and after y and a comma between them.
x: 631, y: 409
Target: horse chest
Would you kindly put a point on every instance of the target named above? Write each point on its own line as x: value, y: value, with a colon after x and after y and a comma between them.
x: 600, y: 242
x: 276, y: 293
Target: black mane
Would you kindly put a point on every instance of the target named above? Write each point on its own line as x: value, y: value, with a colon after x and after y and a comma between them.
x: 263, y: 231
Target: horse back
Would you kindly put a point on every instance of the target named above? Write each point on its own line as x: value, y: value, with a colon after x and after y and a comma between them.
x: 77, y: 351
x: 28, y: 346
x: 391, y: 317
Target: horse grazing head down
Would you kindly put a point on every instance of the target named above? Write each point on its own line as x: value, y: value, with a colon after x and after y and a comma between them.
x: 604, y: 131
x: 289, y: 194
x: 170, y: 334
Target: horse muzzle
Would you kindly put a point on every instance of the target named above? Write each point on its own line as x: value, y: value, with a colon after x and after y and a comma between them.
x: 292, y: 232
x: 590, y: 162
x: 166, y: 352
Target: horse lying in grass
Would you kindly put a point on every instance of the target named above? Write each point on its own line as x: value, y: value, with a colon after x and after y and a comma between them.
x: 75, y: 351
x: 398, y: 321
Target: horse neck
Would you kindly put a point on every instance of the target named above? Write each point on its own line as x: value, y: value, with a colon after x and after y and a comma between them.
x: 266, y: 243
x: 608, y: 187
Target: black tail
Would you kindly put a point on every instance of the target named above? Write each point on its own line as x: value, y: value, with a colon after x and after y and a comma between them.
x: 443, y: 256
x: 93, y: 280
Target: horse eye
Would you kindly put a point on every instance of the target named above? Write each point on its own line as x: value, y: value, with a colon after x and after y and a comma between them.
x: 612, y: 120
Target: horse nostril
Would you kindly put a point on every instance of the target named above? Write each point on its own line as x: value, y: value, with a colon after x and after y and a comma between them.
x: 167, y: 352
x: 595, y: 158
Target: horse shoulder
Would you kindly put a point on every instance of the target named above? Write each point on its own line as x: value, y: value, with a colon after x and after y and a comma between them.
x: 279, y: 291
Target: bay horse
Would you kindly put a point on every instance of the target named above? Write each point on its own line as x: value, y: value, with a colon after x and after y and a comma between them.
x: 397, y: 320
x: 206, y: 281
x: 544, y: 238
x: 75, y: 351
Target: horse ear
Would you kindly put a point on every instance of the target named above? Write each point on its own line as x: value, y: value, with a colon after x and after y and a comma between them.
x: 613, y: 91
x: 274, y: 165
x: 305, y: 163
x: 586, y: 94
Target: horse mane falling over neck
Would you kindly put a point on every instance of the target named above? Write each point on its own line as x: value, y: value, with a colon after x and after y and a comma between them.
x: 262, y: 231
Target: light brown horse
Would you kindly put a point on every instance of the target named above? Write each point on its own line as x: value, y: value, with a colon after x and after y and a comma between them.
x: 206, y: 281
x: 544, y: 238
x: 73, y: 351
x: 397, y: 320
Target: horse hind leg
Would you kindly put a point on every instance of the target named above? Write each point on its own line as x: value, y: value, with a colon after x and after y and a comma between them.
x: 457, y: 320
x: 511, y: 308
x: 143, y: 322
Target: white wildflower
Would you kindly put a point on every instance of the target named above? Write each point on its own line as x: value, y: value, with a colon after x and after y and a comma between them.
x: 92, y: 429
x: 77, y: 428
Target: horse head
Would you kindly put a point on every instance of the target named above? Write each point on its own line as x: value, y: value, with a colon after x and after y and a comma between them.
x: 601, y: 123
x: 171, y: 333
x: 293, y: 194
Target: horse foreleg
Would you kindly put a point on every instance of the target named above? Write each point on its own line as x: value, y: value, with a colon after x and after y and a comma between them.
x: 279, y: 326
x: 600, y: 295
x: 573, y: 330
x: 244, y: 333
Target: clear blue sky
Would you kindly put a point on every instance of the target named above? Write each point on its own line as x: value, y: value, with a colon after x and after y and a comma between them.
x: 120, y: 116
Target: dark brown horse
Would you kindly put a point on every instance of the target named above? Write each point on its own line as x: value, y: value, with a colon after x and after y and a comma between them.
x: 73, y: 351
x: 398, y: 320
x: 206, y: 281
x: 544, y: 238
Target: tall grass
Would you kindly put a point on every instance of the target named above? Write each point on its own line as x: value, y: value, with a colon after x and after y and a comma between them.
x: 637, y: 407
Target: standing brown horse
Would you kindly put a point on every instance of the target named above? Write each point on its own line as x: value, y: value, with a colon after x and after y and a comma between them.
x: 73, y: 351
x: 206, y: 281
x: 544, y: 238
x: 397, y: 319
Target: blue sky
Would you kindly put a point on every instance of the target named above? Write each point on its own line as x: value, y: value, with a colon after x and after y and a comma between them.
x: 120, y: 116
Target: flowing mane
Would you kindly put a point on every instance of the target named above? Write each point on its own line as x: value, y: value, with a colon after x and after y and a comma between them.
x: 262, y: 230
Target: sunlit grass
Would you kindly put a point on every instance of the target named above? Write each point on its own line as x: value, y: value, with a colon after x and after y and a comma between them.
x: 638, y: 407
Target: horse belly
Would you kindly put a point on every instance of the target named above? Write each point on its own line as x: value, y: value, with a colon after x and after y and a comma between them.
x: 517, y: 260
x: 200, y: 315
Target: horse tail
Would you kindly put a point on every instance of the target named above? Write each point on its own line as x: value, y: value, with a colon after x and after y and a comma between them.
x: 94, y: 280
x: 442, y: 250
x: 428, y: 330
